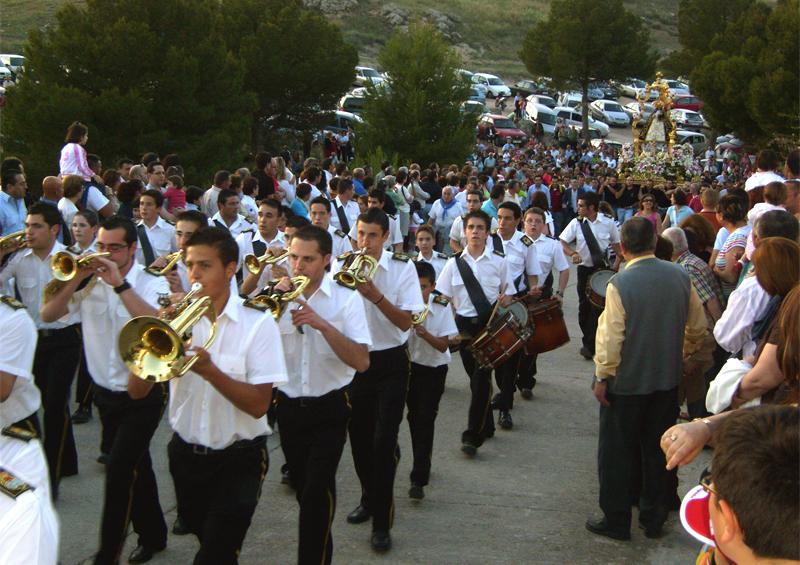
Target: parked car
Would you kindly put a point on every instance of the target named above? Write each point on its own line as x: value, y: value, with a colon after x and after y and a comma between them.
x: 541, y: 114
x: 687, y: 102
x: 607, y: 143
x: 633, y: 109
x: 542, y: 99
x: 527, y: 87
x: 609, y: 91
x: 572, y: 117
x: 343, y: 120
x: 504, y: 128
x: 570, y: 99
x: 13, y: 62
x: 610, y: 112
x: 630, y: 87
x: 494, y: 85
x: 473, y: 107
x: 477, y: 94
x: 352, y: 104
x: 728, y: 142
x: 687, y: 119
x: 594, y: 133
x: 696, y: 139
x: 5, y: 72
x: 677, y: 87
x: 368, y: 75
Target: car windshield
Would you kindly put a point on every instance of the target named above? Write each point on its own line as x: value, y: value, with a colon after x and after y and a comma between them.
x: 504, y: 123
x: 495, y: 81
x: 613, y: 108
x: 548, y: 119
x: 353, y: 102
x: 547, y: 101
x: 16, y: 61
x: 371, y: 73
x: 637, y: 83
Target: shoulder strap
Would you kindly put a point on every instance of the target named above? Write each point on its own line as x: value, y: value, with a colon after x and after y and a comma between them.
x: 598, y: 259
x: 144, y: 241
x: 498, y: 242
x: 221, y: 225
x: 259, y: 248
x: 474, y: 290
x: 343, y: 222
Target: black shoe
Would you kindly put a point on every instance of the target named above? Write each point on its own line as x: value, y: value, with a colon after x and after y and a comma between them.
x: 495, y: 405
x: 179, y: 527
x: 381, y: 540
x: 142, y: 554
x: 286, y: 478
x: 588, y: 355
x: 469, y: 448
x: 526, y: 393
x: 505, y: 421
x: 81, y: 415
x: 652, y: 532
x: 601, y: 528
x: 359, y: 515
x: 103, y: 458
x: 489, y: 434
x: 416, y: 492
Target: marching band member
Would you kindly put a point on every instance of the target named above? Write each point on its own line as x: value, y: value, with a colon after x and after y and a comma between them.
x: 346, y: 207
x: 524, y: 269
x: 217, y: 454
x: 551, y: 257
x: 28, y: 522
x: 228, y: 216
x: 320, y: 212
x: 473, y: 281
x: 378, y: 394
x: 186, y: 224
x: 313, y: 408
x: 267, y: 236
x: 592, y: 233
x: 430, y: 355
x: 156, y: 235
x: 59, y: 346
x: 426, y: 238
x: 458, y: 236
x: 119, y: 289
x: 394, y: 242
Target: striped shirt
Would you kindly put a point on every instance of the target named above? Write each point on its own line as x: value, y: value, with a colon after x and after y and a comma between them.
x: 703, y: 280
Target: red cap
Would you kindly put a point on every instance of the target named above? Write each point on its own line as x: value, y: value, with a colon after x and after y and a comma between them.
x: 695, y: 516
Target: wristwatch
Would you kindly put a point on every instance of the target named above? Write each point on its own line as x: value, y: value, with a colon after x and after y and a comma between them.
x: 560, y: 293
x: 599, y: 379
x: 123, y: 287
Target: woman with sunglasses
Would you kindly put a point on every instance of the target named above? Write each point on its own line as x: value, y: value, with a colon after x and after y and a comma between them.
x: 649, y: 210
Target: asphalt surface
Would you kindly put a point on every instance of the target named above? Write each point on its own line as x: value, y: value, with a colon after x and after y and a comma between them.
x: 523, y: 499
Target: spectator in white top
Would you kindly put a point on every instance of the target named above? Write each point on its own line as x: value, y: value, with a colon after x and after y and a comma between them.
x: 208, y: 204
x: 73, y: 188
x: 156, y: 177
x: 442, y: 215
x: 345, y: 209
x: 156, y: 235
x: 228, y: 216
x: 73, y: 154
x: 767, y: 163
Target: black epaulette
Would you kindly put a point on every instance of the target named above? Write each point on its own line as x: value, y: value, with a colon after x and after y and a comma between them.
x: 493, y: 232
x: 554, y: 238
x: 12, y: 485
x: 442, y: 255
x: 340, y: 233
x: 441, y: 300
x: 607, y: 216
x: 12, y: 302
x: 392, y: 216
x: 498, y: 252
x: 20, y: 433
x: 255, y: 305
x: 526, y: 240
x: 344, y: 255
x: 249, y: 230
x: 170, y: 222
x: 74, y: 249
x: 152, y: 272
x: 400, y: 257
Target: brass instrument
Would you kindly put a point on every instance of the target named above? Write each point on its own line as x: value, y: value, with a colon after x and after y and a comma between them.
x: 172, y: 260
x: 154, y: 348
x: 255, y: 264
x: 65, y: 265
x: 277, y: 300
x: 12, y: 238
x: 418, y: 319
x: 358, y: 268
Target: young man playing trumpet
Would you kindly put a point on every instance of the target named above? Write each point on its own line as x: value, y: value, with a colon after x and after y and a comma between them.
x: 268, y: 237
x: 218, y: 455
x: 378, y: 394
x: 119, y: 289
x: 325, y: 340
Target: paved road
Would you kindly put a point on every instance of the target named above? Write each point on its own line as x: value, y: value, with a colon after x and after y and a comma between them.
x: 523, y: 499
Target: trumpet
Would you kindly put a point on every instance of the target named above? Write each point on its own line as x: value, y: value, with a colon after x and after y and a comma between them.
x: 255, y: 264
x: 154, y: 348
x: 417, y: 319
x: 65, y: 265
x: 358, y: 268
x: 277, y: 300
x: 17, y: 237
x: 172, y: 260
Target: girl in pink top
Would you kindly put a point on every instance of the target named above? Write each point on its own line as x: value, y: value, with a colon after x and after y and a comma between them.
x: 73, y: 155
x: 647, y: 209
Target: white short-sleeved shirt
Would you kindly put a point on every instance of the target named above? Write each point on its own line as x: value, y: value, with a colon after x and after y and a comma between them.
x: 248, y: 349
x: 313, y: 367
x: 208, y: 202
x: 722, y: 237
x: 436, y: 259
x: 440, y: 323
x: 103, y: 314
x: 341, y: 241
x: 457, y: 230
x: 491, y: 271
x: 605, y: 232
x: 747, y: 304
x: 161, y: 237
x: 96, y: 200
x: 394, y: 233
x: 442, y: 218
x: 31, y: 275
x: 351, y: 211
x: 68, y: 210
x: 236, y: 228
x: 550, y: 255
x: 245, y: 242
x: 397, y: 279
x: 16, y: 358
x: 521, y: 258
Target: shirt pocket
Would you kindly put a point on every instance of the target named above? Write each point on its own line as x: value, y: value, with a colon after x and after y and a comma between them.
x: 233, y: 366
x: 27, y: 284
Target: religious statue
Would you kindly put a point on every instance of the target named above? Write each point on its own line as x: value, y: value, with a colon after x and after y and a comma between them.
x: 659, y: 129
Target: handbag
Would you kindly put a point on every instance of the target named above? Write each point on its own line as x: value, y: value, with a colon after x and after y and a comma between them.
x: 723, y: 387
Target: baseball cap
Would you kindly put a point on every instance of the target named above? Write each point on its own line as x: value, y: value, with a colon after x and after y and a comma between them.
x: 695, y: 516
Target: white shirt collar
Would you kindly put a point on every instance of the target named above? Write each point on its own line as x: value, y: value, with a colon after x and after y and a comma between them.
x: 232, y: 307
x: 55, y: 249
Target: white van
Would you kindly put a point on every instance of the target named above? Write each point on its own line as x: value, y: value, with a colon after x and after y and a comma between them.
x: 13, y: 62
x: 541, y: 114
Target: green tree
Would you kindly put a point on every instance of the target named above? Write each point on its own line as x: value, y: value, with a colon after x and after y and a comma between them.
x: 750, y: 78
x: 295, y: 60
x: 417, y: 114
x: 144, y: 75
x: 586, y: 40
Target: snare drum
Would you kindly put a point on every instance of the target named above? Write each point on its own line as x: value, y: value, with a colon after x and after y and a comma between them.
x: 549, y: 328
x: 505, y: 334
x: 596, y: 287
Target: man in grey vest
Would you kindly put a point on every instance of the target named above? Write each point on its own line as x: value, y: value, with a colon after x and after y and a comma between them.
x: 653, y: 319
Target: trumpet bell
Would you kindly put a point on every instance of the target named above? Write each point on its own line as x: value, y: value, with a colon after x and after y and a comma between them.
x: 345, y: 278
x: 64, y: 266
x: 252, y: 264
x: 151, y: 349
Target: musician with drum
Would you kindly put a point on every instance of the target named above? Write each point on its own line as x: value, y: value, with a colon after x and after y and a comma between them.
x: 119, y: 288
x: 391, y: 292
x: 592, y: 234
x: 474, y: 280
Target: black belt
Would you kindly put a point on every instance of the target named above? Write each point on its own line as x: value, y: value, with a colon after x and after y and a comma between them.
x: 198, y: 449
x: 390, y: 350
x: 311, y: 401
x: 58, y: 331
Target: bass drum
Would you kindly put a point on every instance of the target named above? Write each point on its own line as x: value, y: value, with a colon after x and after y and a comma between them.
x: 505, y: 334
x: 596, y: 287
x: 549, y: 328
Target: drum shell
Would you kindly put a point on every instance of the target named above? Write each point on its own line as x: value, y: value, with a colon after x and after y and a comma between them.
x: 500, y: 340
x: 549, y: 328
x: 595, y: 291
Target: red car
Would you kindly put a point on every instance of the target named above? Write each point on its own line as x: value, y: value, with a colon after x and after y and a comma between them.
x: 687, y: 102
x: 503, y: 128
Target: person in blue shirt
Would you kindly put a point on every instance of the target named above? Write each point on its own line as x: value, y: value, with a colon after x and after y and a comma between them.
x: 495, y: 199
x: 12, y: 202
x: 301, y: 198
x: 358, y: 181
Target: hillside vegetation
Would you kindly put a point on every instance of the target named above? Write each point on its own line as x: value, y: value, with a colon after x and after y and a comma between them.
x: 486, y: 33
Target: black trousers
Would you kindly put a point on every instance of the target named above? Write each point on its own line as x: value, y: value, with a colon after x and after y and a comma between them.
x: 54, y: 365
x: 217, y: 492
x: 630, y: 433
x: 480, y: 423
x: 506, y: 378
x: 587, y: 313
x: 526, y: 370
x: 84, y: 387
x: 131, y: 490
x: 313, y: 433
x: 425, y: 388
x: 378, y: 398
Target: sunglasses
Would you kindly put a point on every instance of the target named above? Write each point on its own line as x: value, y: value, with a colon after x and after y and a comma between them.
x: 705, y: 482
